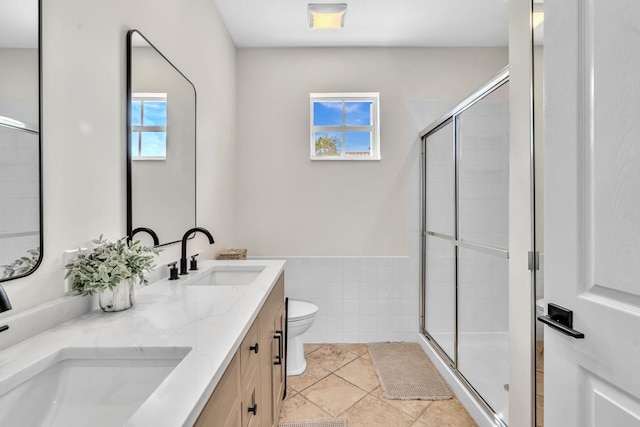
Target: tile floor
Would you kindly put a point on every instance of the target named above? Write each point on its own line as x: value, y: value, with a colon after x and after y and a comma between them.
x: 539, y: 383
x: 340, y: 382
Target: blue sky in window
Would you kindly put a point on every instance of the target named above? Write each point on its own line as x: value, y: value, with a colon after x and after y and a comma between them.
x: 136, y: 110
x: 154, y: 144
x: 357, y: 141
x: 330, y: 113
x: 155, y: 113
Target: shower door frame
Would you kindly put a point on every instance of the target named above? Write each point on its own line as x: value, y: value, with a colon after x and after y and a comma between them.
x: 452, y: 117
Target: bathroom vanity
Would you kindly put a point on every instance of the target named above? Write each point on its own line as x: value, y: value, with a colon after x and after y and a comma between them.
x: 251, y: 390
x: 207, y: 350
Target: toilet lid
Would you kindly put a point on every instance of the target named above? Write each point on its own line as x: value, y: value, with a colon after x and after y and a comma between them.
x: 301, y: 310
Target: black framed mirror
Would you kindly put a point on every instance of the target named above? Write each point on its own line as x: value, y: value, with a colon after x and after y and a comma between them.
x: 161, y: 143
x: 20, y: 138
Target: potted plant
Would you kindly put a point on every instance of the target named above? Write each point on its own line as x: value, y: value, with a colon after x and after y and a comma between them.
x: 110, y: 269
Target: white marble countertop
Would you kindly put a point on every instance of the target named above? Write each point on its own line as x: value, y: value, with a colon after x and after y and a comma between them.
x: 211, y: 320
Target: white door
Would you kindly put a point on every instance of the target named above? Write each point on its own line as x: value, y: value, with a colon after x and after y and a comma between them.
x: 592, y: 211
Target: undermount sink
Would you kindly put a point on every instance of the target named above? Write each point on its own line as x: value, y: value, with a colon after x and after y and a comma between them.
x: 86, y: 386
x: 228, y: 276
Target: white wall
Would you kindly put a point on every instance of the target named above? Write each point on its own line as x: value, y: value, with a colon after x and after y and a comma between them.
x: 84, y: 123
x: 288, y: 205
x: 363, y: 272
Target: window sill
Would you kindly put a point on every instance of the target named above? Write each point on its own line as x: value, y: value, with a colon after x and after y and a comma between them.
x: 346, y: 159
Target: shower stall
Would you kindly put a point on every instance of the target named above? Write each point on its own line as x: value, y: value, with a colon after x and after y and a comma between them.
x: 465, y: 236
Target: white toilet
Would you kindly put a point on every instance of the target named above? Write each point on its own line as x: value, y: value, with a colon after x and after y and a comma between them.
x: 300, y: 317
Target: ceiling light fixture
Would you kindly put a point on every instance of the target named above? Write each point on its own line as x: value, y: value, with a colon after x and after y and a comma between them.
x: 326, y: 16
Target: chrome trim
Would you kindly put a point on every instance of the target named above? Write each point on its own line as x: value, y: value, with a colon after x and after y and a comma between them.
x: 422, y: 318
x: 18, y: 125
x: 440, y: 235
x: 490, y: 250
x: 456, y: 232
x: 497, y: 80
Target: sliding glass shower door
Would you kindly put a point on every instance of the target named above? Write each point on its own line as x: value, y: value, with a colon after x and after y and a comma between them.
x: 465, y: 247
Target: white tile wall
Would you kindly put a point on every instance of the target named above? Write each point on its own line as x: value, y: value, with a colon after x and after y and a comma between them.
x: 360, y: 299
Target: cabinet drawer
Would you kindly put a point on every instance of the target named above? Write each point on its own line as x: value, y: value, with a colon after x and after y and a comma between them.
x: 249, y: 354
x: 251, y: 404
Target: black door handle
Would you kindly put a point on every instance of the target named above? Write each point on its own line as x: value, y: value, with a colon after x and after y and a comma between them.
x: 254, y: 348
x: 278, y: 336
x: 253, y: 409
x: 560, y: 319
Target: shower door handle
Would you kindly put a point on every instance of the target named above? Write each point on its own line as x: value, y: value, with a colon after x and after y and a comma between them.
x: 560, y: 319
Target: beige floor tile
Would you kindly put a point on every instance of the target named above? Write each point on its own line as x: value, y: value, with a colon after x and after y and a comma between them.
x: 357, y: 349
x: 290, y: 391
x: 445, y: 413
x: 540, y: 383
x: 333, y: 394
x: 310, y: 348
x: 410, y: 407
x: 539, y: 411
x: 299, y: 408
x: 360, y: 372
x: 330, y: 357
x: 540, y: 355
x: 366, y: 356
x: 373, y: 412
x: 309, y: 377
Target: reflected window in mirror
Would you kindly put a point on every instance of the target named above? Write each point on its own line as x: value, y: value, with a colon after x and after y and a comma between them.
x: 20, y: 139
x: 148, y: 126
x: 161, y: 146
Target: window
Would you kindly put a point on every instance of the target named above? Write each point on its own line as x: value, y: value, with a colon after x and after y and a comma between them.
x: 148, y: 126
x: 345, y: 126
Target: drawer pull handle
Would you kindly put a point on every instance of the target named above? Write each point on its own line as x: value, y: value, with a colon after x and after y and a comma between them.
x: 254, y: 348
x: 278, y: 336
x: 254, y: 409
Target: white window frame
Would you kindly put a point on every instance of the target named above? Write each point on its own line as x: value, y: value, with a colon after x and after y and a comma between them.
x: 151, y: 97
x: 374, y: 128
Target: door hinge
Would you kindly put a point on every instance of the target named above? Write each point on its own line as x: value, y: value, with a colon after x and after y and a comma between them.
x: 534, y: 260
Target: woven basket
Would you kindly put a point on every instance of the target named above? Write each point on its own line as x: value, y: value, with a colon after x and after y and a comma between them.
x: 233, y: 254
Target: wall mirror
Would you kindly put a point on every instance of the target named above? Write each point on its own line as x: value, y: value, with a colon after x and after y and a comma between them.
x: 20, y: 140
x: 161, y: 143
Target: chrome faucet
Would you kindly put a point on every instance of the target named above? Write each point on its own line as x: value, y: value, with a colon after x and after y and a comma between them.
x: 149, y: 231
x: 5, y: 305
x: 183, y: 258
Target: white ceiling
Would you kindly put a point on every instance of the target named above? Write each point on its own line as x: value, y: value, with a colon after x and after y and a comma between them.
x: 407, y: 23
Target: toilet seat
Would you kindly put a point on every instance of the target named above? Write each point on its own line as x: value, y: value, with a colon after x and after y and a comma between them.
x: 300, y: 310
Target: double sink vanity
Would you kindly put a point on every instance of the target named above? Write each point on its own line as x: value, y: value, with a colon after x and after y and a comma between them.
x: 205, y: 350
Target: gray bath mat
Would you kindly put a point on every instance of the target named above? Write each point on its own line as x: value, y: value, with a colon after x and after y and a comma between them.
x: 324, y: 422
x: 406, y: 373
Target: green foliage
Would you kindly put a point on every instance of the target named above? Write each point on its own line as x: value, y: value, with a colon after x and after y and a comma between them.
x: 22, y: 265
x: 327, y: 146
x: 109, y: 263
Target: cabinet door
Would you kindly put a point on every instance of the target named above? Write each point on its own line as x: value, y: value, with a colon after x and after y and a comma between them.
x: 223, y: 408
x: 267, y: 416
x: 278, y: 371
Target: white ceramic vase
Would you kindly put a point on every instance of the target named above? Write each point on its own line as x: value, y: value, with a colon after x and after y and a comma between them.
x: 121, y: 297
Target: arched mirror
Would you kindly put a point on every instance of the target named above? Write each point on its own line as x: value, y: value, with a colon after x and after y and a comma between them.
x: 161, y: 143
x: 20, y: 139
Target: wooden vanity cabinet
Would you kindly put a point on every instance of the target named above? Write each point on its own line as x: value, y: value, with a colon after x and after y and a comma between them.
x: 251, y: 390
